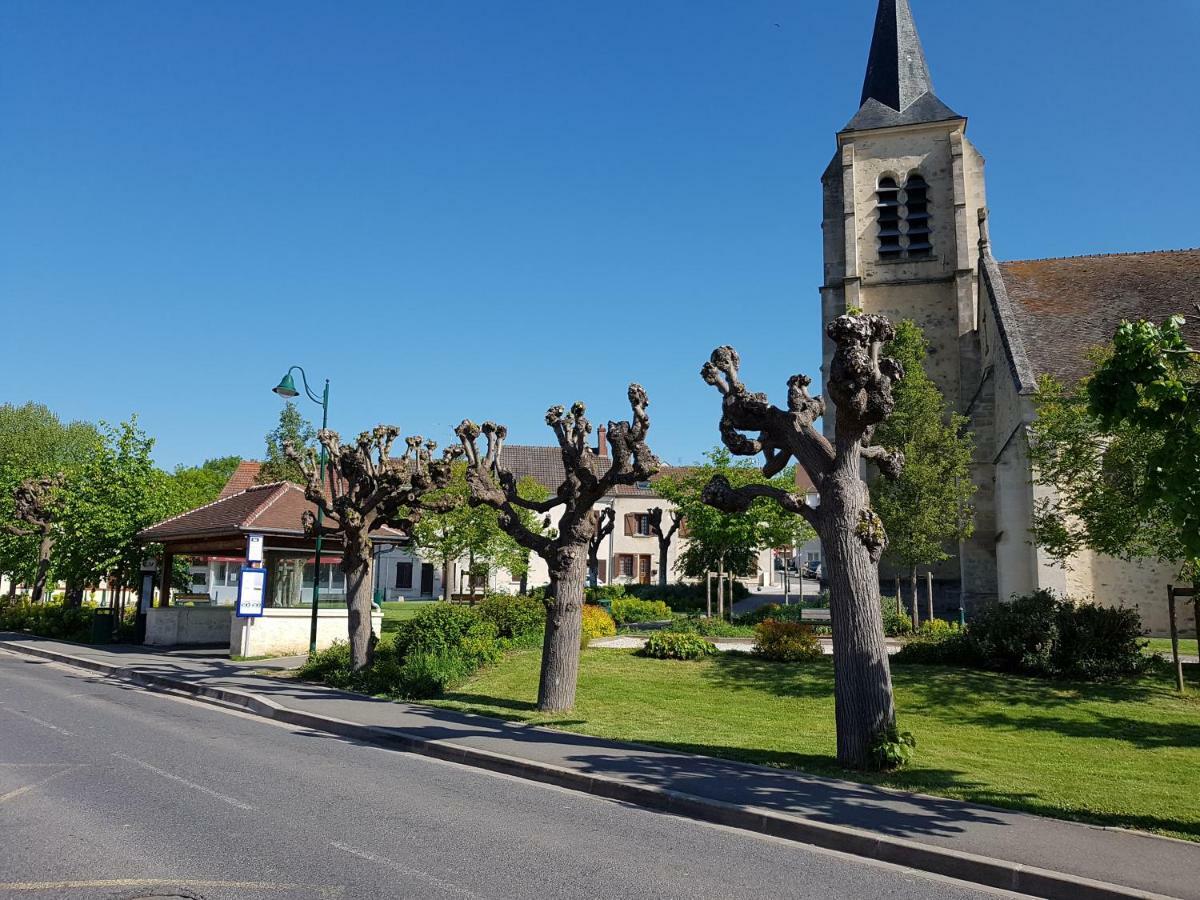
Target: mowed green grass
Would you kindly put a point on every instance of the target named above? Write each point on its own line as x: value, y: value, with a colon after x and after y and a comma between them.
x: 1187, y: 646
x: 1124, y: 754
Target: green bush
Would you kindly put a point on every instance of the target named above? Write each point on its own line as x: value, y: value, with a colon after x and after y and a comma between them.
x: 445, y: 628
x: 630, y: 609
x: 895, y: 620
x: 785, y: 641
x: 606, y: 592
x: 676, y: 645
x: 681, y: 597
x: 596, y: 624
x: 521, y: 620
x: 1042, y: 635
x: 712, y: 627
x: 892, y: 749
x: 53, y: 620
x: 938, y: 628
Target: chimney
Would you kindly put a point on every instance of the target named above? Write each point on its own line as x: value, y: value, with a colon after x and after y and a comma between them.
x: 602, y: 441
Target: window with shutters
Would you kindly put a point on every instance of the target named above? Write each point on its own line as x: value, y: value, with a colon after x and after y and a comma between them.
x: 625, y: 565
x: 404, y: 575
x: 902, y: 214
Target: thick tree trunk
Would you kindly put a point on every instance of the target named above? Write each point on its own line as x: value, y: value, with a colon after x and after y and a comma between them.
x: 663, y: 546
x: 447, y: 577
x: 862, y: 678
x: 915, y: 605
x: 524, y: 587
x: 43, y: 567
x: 358, y: 602
x: 564, y: 631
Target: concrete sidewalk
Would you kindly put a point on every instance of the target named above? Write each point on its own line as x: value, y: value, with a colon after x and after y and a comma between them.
x: 1032, y: 855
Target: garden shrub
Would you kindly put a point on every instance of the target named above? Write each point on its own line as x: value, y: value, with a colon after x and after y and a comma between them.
x: 447, y: 628
x: 630, y: 609
x: 785, y: 641
x: 51, y: 620
x: 676, y: 645
x: 681, y: 597
x: 606, y: 592
x: 521, y: 620
x: 711, y: 627
x: 896, y: 621
x: 892, y: 749
x: 596, y: 623
x: 1042, y: 635
x: 937, y: 628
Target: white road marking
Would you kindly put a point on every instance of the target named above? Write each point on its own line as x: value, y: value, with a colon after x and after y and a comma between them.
x: 191, y: 784
x: 12, y: 795
x: 37, y: 721
x: 406, y: 870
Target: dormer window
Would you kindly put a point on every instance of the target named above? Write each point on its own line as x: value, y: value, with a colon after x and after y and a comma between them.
x: 903, y: 217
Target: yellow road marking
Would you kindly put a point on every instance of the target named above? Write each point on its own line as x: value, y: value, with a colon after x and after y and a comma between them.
x: 329, y: 892
x: 29, y: 787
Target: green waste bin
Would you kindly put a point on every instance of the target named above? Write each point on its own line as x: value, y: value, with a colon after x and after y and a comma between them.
x: 605, y: 604
x: 102, y: 625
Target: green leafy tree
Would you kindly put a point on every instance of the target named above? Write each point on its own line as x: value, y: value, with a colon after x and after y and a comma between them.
x: 35, y: 445
x: 194, y: 486
x: 113, y: 496
x: 729, y: 542
x: 927, y: 509
x: 460, y: 530
x: 1151, y: 383
x: 292, y: 429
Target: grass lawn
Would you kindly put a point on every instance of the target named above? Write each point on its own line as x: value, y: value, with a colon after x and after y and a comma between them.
x: 395, y: 612
x: 1187, y: 646
x: 1124, y: 754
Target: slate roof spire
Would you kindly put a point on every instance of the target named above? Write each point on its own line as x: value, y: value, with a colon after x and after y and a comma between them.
x: 897, y: 89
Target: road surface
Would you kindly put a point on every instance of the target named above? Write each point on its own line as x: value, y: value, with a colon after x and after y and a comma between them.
x: 110, y: 791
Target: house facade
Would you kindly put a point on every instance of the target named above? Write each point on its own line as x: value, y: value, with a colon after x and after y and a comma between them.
x: 906, y: 235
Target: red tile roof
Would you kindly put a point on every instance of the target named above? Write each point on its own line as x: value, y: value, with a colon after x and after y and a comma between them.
x: 244, y: 476
x: 268, y: 508
x: 1064, y: 307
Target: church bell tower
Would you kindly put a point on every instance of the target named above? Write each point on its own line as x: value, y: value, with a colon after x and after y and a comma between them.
x: 901, y: 207
x: 902, y: 201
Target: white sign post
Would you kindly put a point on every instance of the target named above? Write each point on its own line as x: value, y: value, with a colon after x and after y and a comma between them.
x: 252, y: 589
x: 254, y: 548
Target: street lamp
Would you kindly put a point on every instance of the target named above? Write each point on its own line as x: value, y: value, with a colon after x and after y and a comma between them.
x: 287, y: 389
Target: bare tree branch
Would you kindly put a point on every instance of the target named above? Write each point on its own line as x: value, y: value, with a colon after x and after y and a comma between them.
x: 720, y: 494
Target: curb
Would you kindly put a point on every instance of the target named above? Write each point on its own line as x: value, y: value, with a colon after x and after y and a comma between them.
x: 967, y: 867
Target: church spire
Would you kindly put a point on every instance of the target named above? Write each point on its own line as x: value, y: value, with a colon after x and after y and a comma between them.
x: 897, y: 89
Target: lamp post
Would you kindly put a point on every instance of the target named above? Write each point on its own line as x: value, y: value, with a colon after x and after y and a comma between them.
x: 287, y: 388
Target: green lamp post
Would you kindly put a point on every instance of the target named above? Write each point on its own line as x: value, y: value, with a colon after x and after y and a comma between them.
x: 287, y: 388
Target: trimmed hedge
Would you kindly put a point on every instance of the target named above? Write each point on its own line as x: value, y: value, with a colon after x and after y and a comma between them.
x: 786, y: 642
x: 519, y: 619
x: 676, y: 645
x: 1041, y: 635
x: 54, y: 620
x: 630, y: 609
x: 596, y: 624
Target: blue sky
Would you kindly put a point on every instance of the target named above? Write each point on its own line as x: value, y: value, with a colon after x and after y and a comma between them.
x: 484, y: 208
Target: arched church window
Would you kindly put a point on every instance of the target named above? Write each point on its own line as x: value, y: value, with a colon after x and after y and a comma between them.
x: 903, y: 218
x: 916, y: 215
x: 888, y: 208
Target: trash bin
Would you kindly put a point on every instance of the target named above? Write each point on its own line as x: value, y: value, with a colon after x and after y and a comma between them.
x: 605, y: 604
x: 102, y: 625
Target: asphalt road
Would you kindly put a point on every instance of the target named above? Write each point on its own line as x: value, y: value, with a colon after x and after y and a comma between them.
x: 109, y: 791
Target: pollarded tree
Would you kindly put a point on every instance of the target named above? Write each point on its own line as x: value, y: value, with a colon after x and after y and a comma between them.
x: 665, y: 534
x: 34, y: 506
x: 366, y: 489
x: 608, y: 519
x: 852, y: 536
x: 565, y: 553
